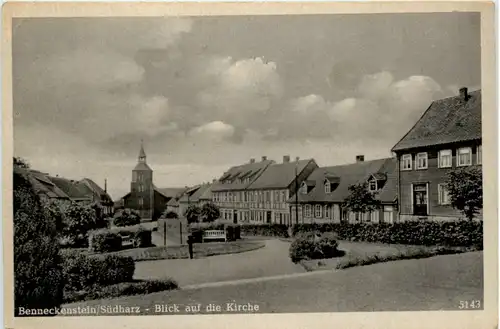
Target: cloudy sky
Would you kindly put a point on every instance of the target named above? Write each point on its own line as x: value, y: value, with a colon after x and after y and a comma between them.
x: 206, y: 93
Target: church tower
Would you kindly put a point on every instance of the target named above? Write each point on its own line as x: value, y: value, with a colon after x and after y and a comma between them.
x: 142, y: 189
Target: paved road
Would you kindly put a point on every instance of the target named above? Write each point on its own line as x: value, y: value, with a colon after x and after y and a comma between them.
x: 268, y: 261
x: 427, y: 284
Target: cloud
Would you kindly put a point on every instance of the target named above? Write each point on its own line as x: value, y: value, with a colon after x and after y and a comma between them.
x: 240, y: 89
x: 216, y: 131
x: 373, y: 86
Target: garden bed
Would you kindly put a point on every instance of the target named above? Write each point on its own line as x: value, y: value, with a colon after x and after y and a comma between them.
x: 200, y: 250
x: 361, y: 254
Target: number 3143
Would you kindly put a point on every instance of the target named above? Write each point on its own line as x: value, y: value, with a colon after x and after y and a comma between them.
x: 469, y: 304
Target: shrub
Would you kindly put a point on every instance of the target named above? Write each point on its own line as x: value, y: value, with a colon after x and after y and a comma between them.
x: 192, y: 213
x: 209, y: 212
x: 38, y: 281
x: 78, y: 221
x: 81, y: 272
x: 461, y: 233
x: 277, y: 230
x: 122, y: 289
x: 126, y: 217
x: 105, y: 241
x: 313, y: 246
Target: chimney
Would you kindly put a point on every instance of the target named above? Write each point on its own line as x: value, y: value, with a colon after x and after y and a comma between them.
x: 286, y: 158
x: 360, y: 158
x: 252, y: 160
x: 264, y: 158
x: 105, y: 185
x: 297, y: 159
x: 464, y: 93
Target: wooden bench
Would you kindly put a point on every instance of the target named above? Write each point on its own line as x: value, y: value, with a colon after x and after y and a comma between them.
x: 214, y: 235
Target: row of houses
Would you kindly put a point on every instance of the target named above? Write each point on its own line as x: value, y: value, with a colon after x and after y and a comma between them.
x: 409, y: 185
x: 65, y: 191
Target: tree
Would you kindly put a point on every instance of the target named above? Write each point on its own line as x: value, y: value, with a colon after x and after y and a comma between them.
x: 126, y: 217
x: 465, y: 188
x: 169, y: 214
x: 360, y: 199
x: 21, y: 163
x: 209, y: 212
x: 192, y: 213
x: 78, y: 221
x: 38, y: 279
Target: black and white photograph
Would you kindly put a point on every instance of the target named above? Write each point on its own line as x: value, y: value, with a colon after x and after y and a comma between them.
x: 249, y: 164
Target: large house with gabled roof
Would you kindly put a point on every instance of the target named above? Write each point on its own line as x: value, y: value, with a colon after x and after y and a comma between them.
x: 229, y: 191
x: 446, y: 137
x: 320, y: 196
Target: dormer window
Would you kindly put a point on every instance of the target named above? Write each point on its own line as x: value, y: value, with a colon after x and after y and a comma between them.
x: 328, y: 187
x: 303, y: 188
x: 372, y: 185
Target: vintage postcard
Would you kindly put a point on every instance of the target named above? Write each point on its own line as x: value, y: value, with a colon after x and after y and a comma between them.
x: 226, y: 165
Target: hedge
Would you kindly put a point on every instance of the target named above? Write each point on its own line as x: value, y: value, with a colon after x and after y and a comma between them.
x: 82, y: 272
x: 105, y: 241
x: 38, y: 280
x: 278, y: 230
x: 313, y: 246
x: 462, y: 233
x: 121, y: 289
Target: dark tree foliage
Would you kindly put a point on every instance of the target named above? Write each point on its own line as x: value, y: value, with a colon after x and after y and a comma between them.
x: 465, y: 188
x: 38, y: 279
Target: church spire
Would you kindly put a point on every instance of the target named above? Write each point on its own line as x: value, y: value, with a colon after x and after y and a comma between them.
x: 142, y: 154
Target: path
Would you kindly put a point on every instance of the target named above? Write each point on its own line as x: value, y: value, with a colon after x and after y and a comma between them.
x: 426, y: 284
x: 268, y: 261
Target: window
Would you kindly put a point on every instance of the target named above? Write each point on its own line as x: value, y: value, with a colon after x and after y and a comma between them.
x: 480, y: 154
x: 327, y: 211
x: 444, y: 197
x: 406, y: 162
x: 372, y: 185
x: 308, y: 210
x: 422, y: 160
x: 140, y: 201
x: 303, y: 188
x: 328, y: 187
x: 444, y: 159
x: 317, y: 211
x: 139, y: 188
x: 464, y: 156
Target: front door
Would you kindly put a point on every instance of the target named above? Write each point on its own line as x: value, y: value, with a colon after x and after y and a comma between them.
x: 420, y: 199
x: 268, y: 217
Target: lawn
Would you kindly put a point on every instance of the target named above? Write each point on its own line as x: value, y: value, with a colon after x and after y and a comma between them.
x: 200, y: 250
x: 363, y: 253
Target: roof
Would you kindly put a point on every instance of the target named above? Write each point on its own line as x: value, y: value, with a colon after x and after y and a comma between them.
x: 142, y: 154
x: 279, y: 175
x: 349, y: 175
x: 142, y: 166
x: 207, y: 194
x: 98, y: 191
x: 448, y: 120
x: 197, y: 194
x: 256, y: 169
x: 43, y: 185
x: 74, y: 189
x: 171, y: 192
x: 173, y: 202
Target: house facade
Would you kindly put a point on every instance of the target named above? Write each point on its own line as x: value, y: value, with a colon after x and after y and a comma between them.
x: 446, y: 137
x: 266, y: 198
x: 320, y: 197
x: 144, y: 197
x: 230, y: 193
